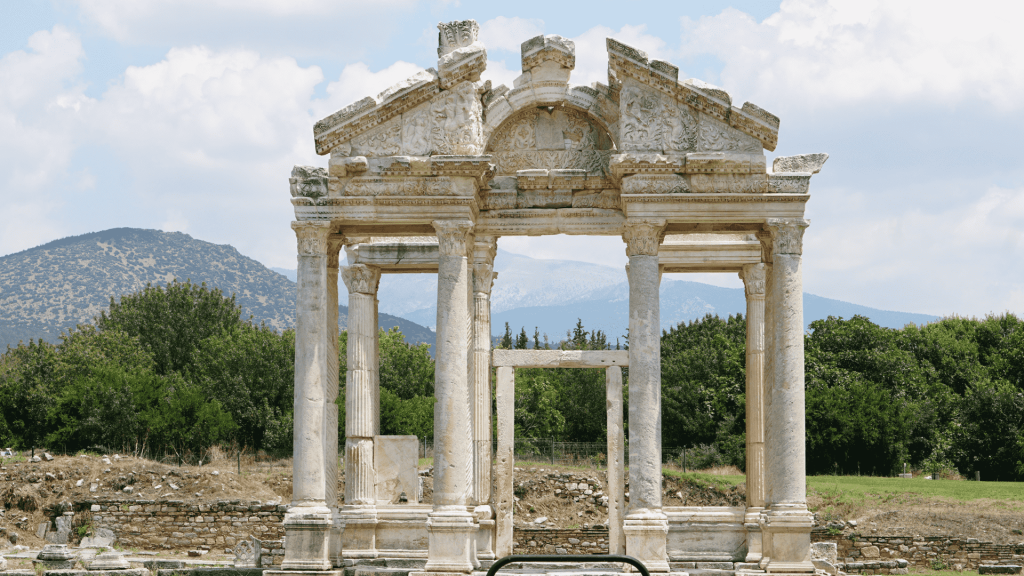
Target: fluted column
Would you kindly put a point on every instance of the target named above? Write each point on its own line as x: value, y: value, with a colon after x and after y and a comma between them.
x: 483, y: 279
x: 646, y: 526
x: 787, y: 519
x: 334, y: 244
x: 753, y: 276
x: 450, y: 525
x: 362, y: 418
x: 616, y: 459
x: 308, y: 521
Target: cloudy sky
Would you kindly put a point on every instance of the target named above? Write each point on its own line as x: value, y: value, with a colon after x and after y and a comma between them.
x: 187, y: 115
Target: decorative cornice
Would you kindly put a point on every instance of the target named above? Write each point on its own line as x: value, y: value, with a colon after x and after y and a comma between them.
x: 312, y: 237
x: 451, y: 236
x: 643, y: 236
x: 753, y: 276
x: 787, y: 235
x: 361, y: 279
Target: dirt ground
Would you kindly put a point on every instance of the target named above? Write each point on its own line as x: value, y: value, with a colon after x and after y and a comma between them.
x: 30, y: 492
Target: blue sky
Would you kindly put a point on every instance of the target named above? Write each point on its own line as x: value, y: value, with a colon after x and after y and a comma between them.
x: 187, y: 115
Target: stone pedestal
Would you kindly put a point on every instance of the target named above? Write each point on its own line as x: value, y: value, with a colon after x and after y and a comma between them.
x: 787, y: 522
x: 308, y: 521
x: 646, y: 527
x: 451, y: 527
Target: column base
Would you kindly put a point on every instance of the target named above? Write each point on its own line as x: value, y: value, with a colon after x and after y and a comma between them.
x: 788, y: 531
x: 752, y: 522
x: 307, y: 530
x: 646, y: 535
x: 451, y: 542
x: 358, y: 531
x: 334, y: 539
x: 485, y: 535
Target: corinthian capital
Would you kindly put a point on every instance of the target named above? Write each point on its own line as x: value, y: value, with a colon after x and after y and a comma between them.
x: 787, y: 235
x: 753, y: 276
x: 643, y: 236
x: 312, y: 237
x: 451, y: 236
x: 483, y: 277
x: 361, y: 279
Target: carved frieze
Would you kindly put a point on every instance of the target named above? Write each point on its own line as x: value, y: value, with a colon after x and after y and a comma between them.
x: 789, y: 183
x: 729, y: 183
x: 361, y: 279
x: 654, y: 122
x: 414, y: 186
x: 558, y: 139
x: 655, y: 184
x: 753, y: 276
x: 451, y: 236
x: 311, y: 237
x: 457, y: 122
x: 643, y: 236
x: 715, y: 136
x: 605, y: 199
x: 787, y: 235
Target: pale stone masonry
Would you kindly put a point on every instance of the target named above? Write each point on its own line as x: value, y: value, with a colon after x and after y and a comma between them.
x: 427, y: 177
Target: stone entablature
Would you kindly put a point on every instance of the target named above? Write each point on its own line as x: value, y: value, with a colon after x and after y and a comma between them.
x: 670, y: 166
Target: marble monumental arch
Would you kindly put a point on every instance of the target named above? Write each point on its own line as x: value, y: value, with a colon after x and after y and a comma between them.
x: 426, y: 177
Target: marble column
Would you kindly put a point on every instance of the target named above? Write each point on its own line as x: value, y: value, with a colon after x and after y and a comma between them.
x: 334, y: 244
x: 616, y: 459
x: 308, y: 521
x: 504, y: 464
x: 362, y: 417
x: 451, y: 527
x: 645, y: 527
x: 786, y: 520
x: 484, y: 251
x: 753, y: 276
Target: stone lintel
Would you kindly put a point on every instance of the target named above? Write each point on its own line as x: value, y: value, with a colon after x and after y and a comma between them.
x: 560, y: 358
x: 396, y: 257
x: 708, y: 256
x: 714, y: 208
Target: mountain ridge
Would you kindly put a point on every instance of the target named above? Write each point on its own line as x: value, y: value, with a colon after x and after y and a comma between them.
x: 49, y: 288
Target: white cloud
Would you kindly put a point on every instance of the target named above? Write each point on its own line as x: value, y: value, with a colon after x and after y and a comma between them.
x: 508, y: 34
x: 592, y: 51
x: 951, y: 259
x: 833, y: 53
x: 499, y: 73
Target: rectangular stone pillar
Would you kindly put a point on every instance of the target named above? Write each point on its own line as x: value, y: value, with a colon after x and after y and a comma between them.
x: 753, y: 276
x: 483, y: 278
x: 504, y: 464
x: 362, y: 416
x: 330, y: 401
x: 308, y: 521
x: 645, y: 527
x: 787, y: 521
x: 451, y: 527
x: 616, y: 460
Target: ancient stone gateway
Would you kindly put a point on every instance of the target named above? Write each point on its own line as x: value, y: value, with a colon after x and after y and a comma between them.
x: 426, y: 177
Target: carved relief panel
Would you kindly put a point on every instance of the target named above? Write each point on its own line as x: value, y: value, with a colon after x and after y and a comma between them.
x: 653, y: 122
x: 451, y: 123
x: 552, y: 139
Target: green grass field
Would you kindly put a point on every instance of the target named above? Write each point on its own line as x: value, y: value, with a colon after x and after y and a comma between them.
x: 862, y: 487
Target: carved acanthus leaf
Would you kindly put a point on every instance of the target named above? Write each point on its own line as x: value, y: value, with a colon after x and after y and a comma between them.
x: 787, y: 235
x: 483, y: 277
x: 643, y: 236
x: 457, y: 34
x: 451, y: 236
x: 312, y: 237
x: 753, y: 276
x: 361, y: 279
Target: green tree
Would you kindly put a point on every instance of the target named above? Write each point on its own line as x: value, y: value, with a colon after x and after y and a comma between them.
x: 582, y: 391
x: 250, y: 371
x: 28, y: 388
x: 171, y: 322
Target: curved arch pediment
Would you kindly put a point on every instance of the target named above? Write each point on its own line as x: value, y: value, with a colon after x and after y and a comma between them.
x: 550, y: 137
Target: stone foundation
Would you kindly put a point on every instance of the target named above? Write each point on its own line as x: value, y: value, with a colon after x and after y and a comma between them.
x: 879, y: 554
x: 174, y: 525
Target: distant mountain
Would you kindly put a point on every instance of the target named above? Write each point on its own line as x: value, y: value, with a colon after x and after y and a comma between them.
x: 552, y: 294
x: 52, y: 287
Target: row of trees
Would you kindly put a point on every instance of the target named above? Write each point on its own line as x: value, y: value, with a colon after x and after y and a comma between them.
x: 177, y: 370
